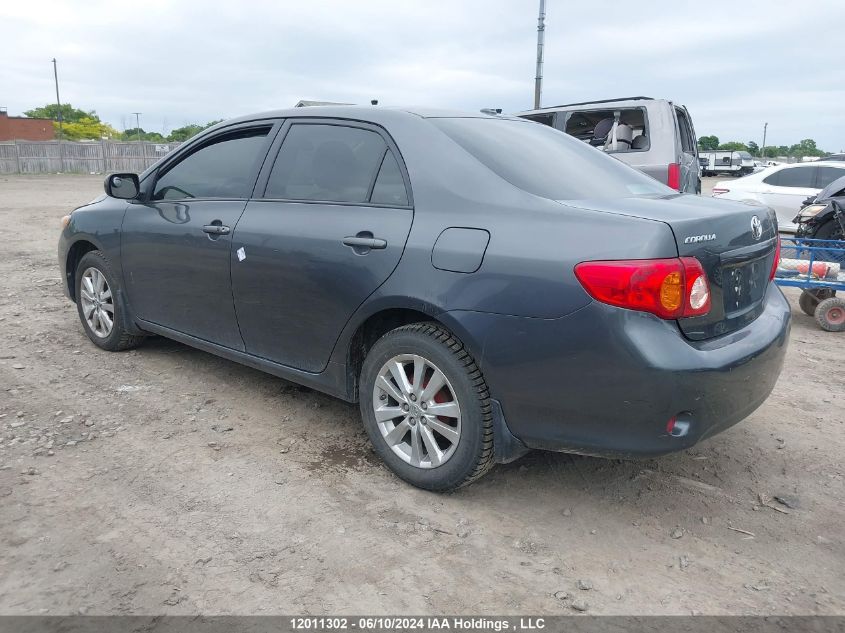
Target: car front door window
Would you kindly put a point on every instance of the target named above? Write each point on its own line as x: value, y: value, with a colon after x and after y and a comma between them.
x: 795, y: 177
x: 224, y: 168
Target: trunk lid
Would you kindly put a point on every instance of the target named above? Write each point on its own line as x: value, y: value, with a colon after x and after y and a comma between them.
x: 735, y: 250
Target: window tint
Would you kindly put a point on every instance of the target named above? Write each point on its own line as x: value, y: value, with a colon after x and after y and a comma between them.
x: 390, y: 187
x: 545, y: 119
x: 687, y: 143
x: 772, y: 179
x: 224, y: 169
x: 326, y: 162
x: 827, y: 175
x: 547, y: 162
x: 797, y: 177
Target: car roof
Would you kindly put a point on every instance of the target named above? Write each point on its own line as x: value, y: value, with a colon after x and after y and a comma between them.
x: 815, y: 163
x: 373, y: 114
x: 621, y: 101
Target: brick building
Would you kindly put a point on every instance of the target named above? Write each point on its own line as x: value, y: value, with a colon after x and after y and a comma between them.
x: 24, y: 129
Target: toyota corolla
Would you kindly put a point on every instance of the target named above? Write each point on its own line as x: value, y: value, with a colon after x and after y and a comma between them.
x: 482, y: 285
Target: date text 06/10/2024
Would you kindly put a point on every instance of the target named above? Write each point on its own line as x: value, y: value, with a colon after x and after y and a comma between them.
x: 416, y: 623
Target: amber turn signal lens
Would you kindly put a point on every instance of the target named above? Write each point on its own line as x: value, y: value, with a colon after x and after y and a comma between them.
x: 672, y: 291
x: 65, y: 221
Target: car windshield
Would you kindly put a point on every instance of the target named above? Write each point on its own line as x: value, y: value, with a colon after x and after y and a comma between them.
x: 547, y: 162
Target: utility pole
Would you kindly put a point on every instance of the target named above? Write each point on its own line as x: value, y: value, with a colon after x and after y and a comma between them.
x: 541, y: 33
x: 138, y: 124
x: 763, y: 149
x: 58, y: 101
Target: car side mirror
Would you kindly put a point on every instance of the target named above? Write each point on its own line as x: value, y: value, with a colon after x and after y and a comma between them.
x: 123, y: 186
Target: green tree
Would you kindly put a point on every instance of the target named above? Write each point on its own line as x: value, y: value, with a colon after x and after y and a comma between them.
x: 187, y: 131
x: 131, y: 134
x: 753, y: 148
x: 806, y: 147
x: 733, y: 146
x: 87, y: 129
x: 708, y: 142
x: 69, y: 113
x: 77, y: 125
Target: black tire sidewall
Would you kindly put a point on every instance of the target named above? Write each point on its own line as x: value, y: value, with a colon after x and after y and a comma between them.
x: 467, y: 455
x: 95, y: 259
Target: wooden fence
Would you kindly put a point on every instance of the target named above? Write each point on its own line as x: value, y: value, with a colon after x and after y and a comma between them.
x: 51, y: 157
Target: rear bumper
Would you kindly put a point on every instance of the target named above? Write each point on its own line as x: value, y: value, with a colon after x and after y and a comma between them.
x: 605, y: 381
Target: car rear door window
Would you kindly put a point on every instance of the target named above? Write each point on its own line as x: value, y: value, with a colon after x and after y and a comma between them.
x: 797, y: 177
x: 325, y: 162
x: 827, y: 175
x: 390, y: 186
x: 226, y: 167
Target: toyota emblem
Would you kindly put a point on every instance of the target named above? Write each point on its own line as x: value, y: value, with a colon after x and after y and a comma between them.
x: 756, y: 227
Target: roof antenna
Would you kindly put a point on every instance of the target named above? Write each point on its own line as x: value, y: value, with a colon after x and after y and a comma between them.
x: 373, y: 101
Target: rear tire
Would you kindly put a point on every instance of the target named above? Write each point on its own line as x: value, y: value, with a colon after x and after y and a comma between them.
x: 830, y: 314
x: 810, y: 299
x: 394, y: 386
x: 100, y: 311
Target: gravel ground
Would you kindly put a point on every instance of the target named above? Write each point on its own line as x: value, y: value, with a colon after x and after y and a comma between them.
x: 167, y: 480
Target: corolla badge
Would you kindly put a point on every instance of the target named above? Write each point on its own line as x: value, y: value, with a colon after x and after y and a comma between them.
x: 756, y: 227
x: 694, y: 239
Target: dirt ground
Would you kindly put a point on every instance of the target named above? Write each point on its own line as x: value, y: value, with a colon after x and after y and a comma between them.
x: 167, y: 480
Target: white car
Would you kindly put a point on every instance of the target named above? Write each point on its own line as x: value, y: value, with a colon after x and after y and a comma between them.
x: 782, y: 187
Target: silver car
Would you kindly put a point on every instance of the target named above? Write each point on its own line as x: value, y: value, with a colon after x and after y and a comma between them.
x: 655, y: 136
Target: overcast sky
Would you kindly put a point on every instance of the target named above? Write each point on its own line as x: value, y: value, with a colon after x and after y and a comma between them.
x: 734, y: 64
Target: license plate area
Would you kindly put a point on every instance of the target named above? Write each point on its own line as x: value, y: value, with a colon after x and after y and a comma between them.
x: 743, y: 285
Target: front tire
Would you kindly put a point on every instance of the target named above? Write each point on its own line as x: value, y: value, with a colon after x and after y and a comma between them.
x: 100, y: 312
x: 426, y: 408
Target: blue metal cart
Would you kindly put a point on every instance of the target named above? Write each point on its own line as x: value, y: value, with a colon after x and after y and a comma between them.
x: 818, y: 268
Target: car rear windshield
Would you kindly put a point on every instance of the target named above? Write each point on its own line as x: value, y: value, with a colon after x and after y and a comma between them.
x: 547, y: 162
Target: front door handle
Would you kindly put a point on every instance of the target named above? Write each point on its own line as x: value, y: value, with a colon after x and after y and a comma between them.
x: 365, y: 242
x: 216, y: 229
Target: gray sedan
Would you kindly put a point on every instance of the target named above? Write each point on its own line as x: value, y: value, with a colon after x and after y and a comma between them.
x: 482, y: 285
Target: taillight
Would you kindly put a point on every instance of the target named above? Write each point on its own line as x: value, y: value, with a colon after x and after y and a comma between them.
x: 777, y: 258
x: 674, y: 180
x: 669, y: 288
x: 718, y: 191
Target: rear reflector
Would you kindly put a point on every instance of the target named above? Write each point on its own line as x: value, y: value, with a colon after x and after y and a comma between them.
x: 673, y: 288
x: 674, y: 179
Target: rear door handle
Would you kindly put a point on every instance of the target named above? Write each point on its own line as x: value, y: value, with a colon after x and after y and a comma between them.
x: 365, y: 242
x: 216, y: 229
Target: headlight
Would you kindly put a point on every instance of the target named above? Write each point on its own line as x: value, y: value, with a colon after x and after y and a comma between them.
x: 811, y: 211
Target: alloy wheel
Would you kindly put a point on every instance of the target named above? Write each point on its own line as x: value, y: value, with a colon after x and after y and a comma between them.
x: 417, y: 411
x: 97, y: 302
